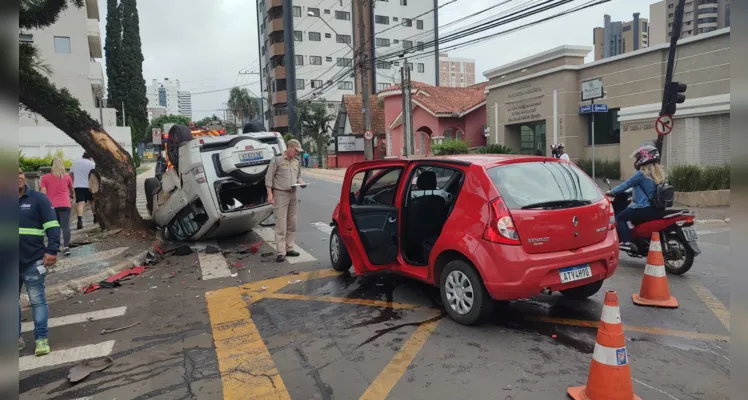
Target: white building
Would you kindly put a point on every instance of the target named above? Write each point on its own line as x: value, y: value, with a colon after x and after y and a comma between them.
x: 71, y: 47
x: 169, y: 95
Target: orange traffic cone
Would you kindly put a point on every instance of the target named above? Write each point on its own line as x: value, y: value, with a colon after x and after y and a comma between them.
x: 610, y: 375
x: 654, y: 290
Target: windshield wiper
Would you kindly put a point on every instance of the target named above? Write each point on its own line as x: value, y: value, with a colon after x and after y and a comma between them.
x: 558, y: 204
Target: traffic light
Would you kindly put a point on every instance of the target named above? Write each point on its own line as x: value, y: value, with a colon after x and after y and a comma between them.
x: 675, y: 95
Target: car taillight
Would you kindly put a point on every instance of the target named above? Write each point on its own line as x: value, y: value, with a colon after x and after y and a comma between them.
x: 501, y: 227
x: 199, y: 174
x: 612, y: 217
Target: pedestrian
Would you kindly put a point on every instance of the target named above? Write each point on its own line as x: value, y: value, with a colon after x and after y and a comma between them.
x: 306, y: 159
x: 36, y: 218
x: 282, y: 178
x: 562, y: 152
x: 79, y: 171
x: 58, y: 186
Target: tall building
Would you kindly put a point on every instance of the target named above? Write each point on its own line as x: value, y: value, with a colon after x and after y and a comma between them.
x: 699, y: 16
x: 456, y: 72
x: 321, y: 39
x: 169, y: 95
x: 617, y: 37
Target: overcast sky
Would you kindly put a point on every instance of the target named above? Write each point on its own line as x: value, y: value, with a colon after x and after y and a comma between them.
x: 205, y: 43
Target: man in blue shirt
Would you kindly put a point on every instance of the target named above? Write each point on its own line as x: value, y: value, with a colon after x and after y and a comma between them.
x: 36, y: 218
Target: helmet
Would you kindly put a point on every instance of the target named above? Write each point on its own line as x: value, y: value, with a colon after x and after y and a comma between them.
x: 644, y: 155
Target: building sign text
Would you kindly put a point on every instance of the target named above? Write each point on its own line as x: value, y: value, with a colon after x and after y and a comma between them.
x: 526, y: 111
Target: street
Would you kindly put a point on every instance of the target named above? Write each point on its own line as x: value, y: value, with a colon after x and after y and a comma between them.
x: 240, y: 326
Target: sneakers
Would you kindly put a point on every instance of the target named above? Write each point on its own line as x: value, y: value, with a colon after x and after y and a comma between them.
x: 42, y: 347
x: 292, y: 253
x: 65, y: 251
x: 280, y: 259
x: 21, y: 344
x: 80, y: 223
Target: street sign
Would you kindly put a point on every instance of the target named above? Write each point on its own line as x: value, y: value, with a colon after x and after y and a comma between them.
x: 368, y: 135
x: 664, y: 125
x: 593, y: 108
x: 156, y: 134
x: 592, y: 89
x: 585, y: 109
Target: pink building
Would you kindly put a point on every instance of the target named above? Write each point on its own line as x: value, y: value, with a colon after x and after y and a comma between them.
x: 438, y: 113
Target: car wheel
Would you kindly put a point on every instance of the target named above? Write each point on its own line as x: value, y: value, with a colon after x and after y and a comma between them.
x: 583, y: 292
x: 464, y: 296
x: 339, y: 257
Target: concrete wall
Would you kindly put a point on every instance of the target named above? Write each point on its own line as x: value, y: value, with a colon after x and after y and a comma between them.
x: 41, y: 140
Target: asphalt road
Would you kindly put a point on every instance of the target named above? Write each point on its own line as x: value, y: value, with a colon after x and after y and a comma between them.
x: 241, y: 326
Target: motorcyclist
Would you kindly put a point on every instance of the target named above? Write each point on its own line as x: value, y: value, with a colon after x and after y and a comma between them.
x: 649, y: 173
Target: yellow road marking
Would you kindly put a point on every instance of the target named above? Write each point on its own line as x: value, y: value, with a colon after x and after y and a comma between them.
x: 711, y: 301
x: 344, y: 300
x: 391, y: 374
x: 274, y: 284
x: 631, y: 328
x: 247, y: 369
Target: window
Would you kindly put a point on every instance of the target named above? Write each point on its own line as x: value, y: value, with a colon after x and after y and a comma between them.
x: 343, y: 15
x: 328, y: 59
x: 313, y: 11
x: 298, y: 36
x: 382, y: 86
x: 704, y: 20
x: 345, y: 62
x: 421, y: 68
x: 316, y: 83
x: 299, y: 84
x: 395, y: 19
x: 327, y: 11
x: 670, y: 5
x: 315, y: 60
x: 26, y: 38
x: 407, y: 22
x: 315, y: 36
x: 403, y: 2
x: 296, y: 11
x: 343, y: 39
x: 345, y: 85
x: 607, y: 128
x: 395, y: 41
x: 375, y: 186
x: 407, y: 44
x: 410, y: 66
x: 420, y: 46
x: 328, y: 35
x: 299, y: 60
x: 62, y: 45
x: 670, y: 15
x: 627, y: 28
x: 397, y: 63
x: 383, y: 65
x: 419, y: 24
x: 382, y: 19
x: 382, y: 42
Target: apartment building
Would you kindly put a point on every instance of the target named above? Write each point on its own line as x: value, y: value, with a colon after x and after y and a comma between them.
x: 169, y: 95
x: 72, y: 48
x: 456, y: 72
x: 617, y: 37
x: 324, y: 36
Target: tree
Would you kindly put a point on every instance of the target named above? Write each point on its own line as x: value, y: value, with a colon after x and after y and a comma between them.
x: 113, y: 50
x: 243, y: 105
x: 159, y: 122
x: 132, y: 71
x: 116, y: 197
x: 313, y: 122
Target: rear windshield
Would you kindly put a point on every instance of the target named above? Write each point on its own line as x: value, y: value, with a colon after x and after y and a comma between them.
x: 529, y: 183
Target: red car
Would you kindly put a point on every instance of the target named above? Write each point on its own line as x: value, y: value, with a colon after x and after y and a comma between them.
x: 479, y: 227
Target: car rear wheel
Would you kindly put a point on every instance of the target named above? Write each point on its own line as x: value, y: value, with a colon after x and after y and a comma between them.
x: 464, y: 296
x: 341, y: 260
x: 583, y: 292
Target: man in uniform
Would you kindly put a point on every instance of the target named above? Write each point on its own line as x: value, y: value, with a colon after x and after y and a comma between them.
x: 282, y: 178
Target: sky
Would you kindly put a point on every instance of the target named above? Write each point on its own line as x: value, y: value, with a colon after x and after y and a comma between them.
x: 205, y: 43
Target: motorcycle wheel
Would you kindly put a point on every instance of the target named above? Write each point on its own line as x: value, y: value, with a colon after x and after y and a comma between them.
x: 684, y: 263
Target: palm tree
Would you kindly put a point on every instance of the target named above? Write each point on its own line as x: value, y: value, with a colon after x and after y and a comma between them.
x: 242, y: 104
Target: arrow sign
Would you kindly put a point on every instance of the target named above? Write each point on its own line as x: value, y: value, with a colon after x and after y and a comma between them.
x: 664, y: 125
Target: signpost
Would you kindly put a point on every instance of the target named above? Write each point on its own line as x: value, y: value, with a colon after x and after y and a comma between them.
x: 368, y: 135
x: 156, y: 134
x: 591, y: 90
x: 664, y: 125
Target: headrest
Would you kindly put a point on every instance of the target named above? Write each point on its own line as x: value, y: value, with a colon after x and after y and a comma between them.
x: 426, y: 181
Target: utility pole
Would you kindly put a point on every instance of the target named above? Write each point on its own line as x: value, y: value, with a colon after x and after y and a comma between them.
x: 666, y: 98
x: 363, y: 64
x: 407, y: 110
x: 124, y: 118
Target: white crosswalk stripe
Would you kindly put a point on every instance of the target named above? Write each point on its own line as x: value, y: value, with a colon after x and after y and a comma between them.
x: 78, y: 318
x: 268, y: 235
x: 213, y: 266
x: 326, y: 228
x: 57, y: 357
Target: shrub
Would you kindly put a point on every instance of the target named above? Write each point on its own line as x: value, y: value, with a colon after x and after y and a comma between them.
x: 31, y: 164
x: 495, y: 149
x: 450, y: 146
x: 603, y: 168
x: 695, y: 178
x: 136, y: 160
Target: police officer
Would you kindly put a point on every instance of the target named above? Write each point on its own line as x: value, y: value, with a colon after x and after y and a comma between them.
x: 282, y: 178
x: 36, y: 218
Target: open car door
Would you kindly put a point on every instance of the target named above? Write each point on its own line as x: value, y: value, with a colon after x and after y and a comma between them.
x: 368, y: 222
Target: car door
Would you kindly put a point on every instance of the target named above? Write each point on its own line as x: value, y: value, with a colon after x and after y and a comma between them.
x: 369, y: 215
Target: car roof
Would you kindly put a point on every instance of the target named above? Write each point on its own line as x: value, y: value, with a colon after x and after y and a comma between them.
x: 486, y: 160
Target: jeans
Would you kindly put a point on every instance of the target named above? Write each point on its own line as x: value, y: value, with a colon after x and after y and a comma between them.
x: 34, y: 282
x: 635, y: 216
x: 63, y: 217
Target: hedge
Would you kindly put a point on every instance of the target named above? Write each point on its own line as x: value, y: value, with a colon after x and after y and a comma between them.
x: 696, y: 178
x: 495, y: 149
x: 32, y: 164
x: 603, y: 168
x: 450, y: 146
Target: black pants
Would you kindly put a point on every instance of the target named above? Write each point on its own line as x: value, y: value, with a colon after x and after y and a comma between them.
x: 63, y: 217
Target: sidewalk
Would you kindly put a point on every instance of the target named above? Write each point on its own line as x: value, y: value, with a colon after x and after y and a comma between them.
x: 140, y: 181
x: 336, y: 174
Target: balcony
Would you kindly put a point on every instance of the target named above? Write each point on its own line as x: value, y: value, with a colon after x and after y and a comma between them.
x: 280, y: 121
x: 95, y: 73
x: 275, y: 25
x: 92, y: 9
x: 279, y: 97
x: 94, y: 38
x: 273, y: 3
x: 277, y: 50
x: 278, y: 72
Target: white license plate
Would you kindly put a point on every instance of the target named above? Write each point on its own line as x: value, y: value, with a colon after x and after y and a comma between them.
x: 690, y: 234
x: 250, y: 156
x: 571, y: 274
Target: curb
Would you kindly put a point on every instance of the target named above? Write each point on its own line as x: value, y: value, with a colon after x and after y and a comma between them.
x: 73, y: 287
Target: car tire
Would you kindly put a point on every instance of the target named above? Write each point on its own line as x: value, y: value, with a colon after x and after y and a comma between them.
x: 583, y: 292
x: 339, y: 257
x: 460, y: 274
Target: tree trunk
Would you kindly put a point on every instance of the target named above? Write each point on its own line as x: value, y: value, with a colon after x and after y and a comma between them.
x: 115, y: 200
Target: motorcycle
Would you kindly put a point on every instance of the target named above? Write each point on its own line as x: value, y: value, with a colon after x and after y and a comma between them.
x: 677, y: 234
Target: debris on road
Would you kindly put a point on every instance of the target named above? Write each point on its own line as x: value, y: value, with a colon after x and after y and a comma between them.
x: 234, y: 275
x: 182, y: 250
x: 263, y: 288
x: 268, y: 254
x: 295, y: 282
x: 85, y: 368
x: 212, y: 250
x: 114, y: 280
x: 105, y: 331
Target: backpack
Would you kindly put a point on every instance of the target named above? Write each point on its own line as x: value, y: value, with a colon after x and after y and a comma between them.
x: 664, y: 196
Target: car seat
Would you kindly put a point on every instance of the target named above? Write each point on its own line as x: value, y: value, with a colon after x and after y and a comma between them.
x: 426, y: 216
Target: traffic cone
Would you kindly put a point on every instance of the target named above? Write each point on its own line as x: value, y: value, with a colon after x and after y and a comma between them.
x: 654, y: 291
x: 610, y: 376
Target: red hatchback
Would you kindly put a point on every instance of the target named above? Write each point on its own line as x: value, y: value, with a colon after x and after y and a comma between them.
x: 478, y: 227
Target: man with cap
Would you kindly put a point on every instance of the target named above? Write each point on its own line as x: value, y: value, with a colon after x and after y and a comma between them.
x: 562, y: 152
x: 282, y: 178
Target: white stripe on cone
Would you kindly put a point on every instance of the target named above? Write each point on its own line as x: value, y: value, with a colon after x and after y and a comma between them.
x: 655, y: 245
x: 612, y: 356
x: 657, y: 271
x: 611, y: 315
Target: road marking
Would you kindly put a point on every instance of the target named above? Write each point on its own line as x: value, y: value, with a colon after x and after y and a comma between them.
x: 78, y: 318
x: 630, y: 328
x: 711, y: 231
x: 57, y: 357
x: 326, y: 228
x: 344, y: 300
x: 213, y: 266
x: 246, y: 367
x: 65, y: 263
x: 655, y: 389
x: 391, y: 374
x: 711, y: 301
x: 268, y: 235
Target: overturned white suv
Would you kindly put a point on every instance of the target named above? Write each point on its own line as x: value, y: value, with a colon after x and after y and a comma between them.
x: 216, y: 186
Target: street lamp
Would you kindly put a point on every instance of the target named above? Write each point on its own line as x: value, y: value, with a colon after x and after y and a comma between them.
x: 312, y: 14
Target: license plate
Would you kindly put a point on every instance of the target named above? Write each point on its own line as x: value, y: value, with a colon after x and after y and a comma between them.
x: 571, y: 274
x: 250, y: 156
x: 690, y: 234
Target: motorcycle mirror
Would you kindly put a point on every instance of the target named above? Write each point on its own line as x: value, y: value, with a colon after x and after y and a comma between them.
x: 606, y: 180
